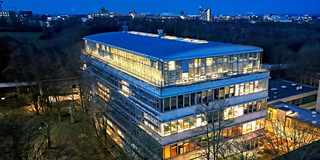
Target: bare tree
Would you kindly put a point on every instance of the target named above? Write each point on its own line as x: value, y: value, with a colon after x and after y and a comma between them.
x: 283, y: 136
x: 216, y: 143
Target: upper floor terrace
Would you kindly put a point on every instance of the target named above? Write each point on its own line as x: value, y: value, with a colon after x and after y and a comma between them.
x: 168, y: 60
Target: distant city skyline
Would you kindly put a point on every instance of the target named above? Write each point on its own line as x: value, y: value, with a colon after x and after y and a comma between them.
x: 190, y: 7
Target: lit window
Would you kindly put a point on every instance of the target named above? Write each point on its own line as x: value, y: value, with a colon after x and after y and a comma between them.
x: 171, y: 65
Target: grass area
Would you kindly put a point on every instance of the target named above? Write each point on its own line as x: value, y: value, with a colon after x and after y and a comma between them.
x: 32, y: 37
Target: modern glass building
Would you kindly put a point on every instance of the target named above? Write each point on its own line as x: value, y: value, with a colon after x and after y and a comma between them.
x: 150, y: 86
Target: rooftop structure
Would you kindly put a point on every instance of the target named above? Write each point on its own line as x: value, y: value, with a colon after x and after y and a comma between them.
x: 168, y: 48
x: 292, y: 93
x: 173, y: 60
x: 205, y: 14
x: 299, y: 113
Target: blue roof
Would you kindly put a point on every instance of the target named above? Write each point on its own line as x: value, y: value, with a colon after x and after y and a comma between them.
x: 300, y: 113
x: 166, y: 49
x: 286, y: 92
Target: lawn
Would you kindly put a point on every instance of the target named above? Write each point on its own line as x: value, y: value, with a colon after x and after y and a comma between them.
x: 32, y: 37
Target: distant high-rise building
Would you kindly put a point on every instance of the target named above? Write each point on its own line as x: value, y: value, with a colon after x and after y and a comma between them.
x: 24, y: 15
x: 205, y: 14
x: 4, y: 14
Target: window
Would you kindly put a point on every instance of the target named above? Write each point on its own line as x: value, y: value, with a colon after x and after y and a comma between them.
x: 209, y: 61
x: 214, y: 69
x: 166, y: 128
x: 198, y: 121
x: 219, y: 68
x: 191, y: 73
x: 241, y: 89
x: 254, y: 106
x: 203, y: 71
x: 171, y: 65
x: 240, y: 110
x: 193, y: 98
x: 173, y: 127
x: 256, y: 86
x: 166, y: 104
x: 204, y: 96
x: 226, y: 92
x: 252, y: 126
x: 210, y: 96
x: 173, y: 103
x: 178, y: 65
x: 225, y: 60
x: 203, y: 62
x: 225, y: 67
x: 247, y: 88
x: 272, y: 114
x: 221, y: 93
x: 192, y: 122
x: 166, y: 152
x: 231, y: 91
x: 186, y: 147
x: 228, y: 113
x: 180, y: 148
x: 214, y: 60
x: 237, y: 90
x: 186, y: 123
x: 250, y: 107
x: 216, y: 93
x: 245, y: 108
x: 251, y: 87
x: 180, y: 101
x: 196, y: 62
x: 259, y: 105
x: 220, y: 59
x: 180, y: 125
x: 257, y: 125
x: 235, y: 68
x: 173, y: 150
x: 235, y: 111
x: 264, y: 105
x: 247, y: 127
x: 186, y: 100
x: 198, y: 97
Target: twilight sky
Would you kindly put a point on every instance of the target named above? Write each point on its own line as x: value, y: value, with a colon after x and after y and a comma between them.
x: 160, y: 6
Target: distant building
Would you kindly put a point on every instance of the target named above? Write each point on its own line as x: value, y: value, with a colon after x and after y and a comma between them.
x: 205, y: 14
x: 25, y: 15
x: 292, y: 93
x: 4, y: 15
x: 277, y: 18
x: 292, y: 112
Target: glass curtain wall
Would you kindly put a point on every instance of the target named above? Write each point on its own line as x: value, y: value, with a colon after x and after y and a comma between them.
x: 210, y: 95
x: 212, y: 68
x: 140, y: 67
x: 184, y: 124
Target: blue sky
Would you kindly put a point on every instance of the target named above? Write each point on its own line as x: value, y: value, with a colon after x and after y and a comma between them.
x: 160, y: 6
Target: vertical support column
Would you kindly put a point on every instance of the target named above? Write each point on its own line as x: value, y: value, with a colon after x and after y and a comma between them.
x: 318, y: 99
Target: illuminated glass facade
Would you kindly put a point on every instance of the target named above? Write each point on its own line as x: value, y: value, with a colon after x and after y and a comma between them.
x: 200, y: 142
x: 211, y: 68
x: 172, y: 73
x: 148, y: 70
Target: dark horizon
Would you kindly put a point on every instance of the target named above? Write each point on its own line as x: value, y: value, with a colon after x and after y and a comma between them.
x: 190, y: 7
